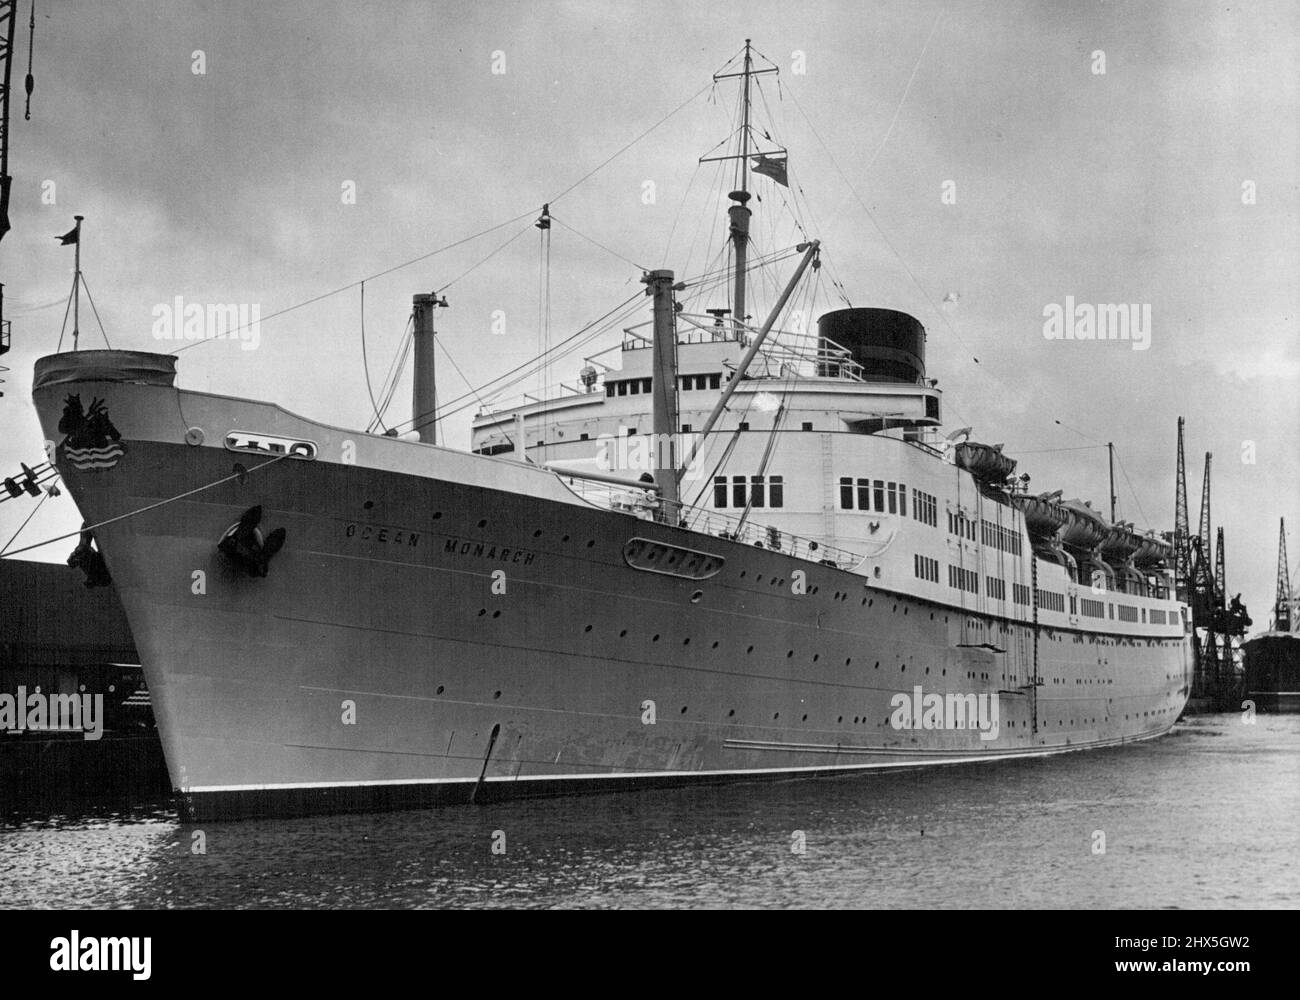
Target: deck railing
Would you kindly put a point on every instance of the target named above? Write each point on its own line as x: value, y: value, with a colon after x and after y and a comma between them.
x: 644, y: 504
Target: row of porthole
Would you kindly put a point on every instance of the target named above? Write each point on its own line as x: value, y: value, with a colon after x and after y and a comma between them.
x: 848, y: 660
x: 537, y: 533
x: 437, y: 516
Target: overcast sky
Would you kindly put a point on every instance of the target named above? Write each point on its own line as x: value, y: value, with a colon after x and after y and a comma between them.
x: 1119, y: 187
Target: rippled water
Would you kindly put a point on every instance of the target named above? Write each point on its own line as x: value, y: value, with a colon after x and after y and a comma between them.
x: 1208, y: 816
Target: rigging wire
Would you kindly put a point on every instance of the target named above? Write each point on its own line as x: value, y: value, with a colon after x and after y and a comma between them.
x: 527, y: 367
x: 475, y: 267
x: 365, y: 361
x: 67, y: 309
x: 373, y: 277
x: 45, y: 495
x: 148, y: 507
x: 396, y: 367
x: 597, y: 243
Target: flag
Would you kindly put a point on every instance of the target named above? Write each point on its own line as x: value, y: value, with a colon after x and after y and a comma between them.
x: 69, y: 237
x: 772, y: 168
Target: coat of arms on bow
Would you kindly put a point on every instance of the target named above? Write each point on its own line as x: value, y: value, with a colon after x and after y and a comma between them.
x: 92, y: 442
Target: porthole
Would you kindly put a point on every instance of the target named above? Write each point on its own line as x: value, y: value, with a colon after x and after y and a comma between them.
x: 496, y: 696
x: 789, y: 654
x: 775, y: 716
x: 483, y: 523
x: 623, y: 634
x: 686, y: 641
x: 684, y: 709
x: 440, y: 689
x: 656, y: 637
x: 731, y: 713
x: 537, y: 533
x: 715, y: 643
x: 496, y: 614
x: 591, y: 542
x: 437, y: 514
x: 697, y: 597
x: 587, y: 629
x: 750, y: 649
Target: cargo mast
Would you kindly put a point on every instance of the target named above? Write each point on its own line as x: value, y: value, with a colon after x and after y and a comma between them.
x: 424, y: 396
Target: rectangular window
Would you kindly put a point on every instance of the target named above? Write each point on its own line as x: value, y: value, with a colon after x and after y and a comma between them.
x: 645, y: 385
x: 880, y: 496
x: 715, y: 381
x: 893, y: 498
x: 902, y: 500
x: 756, y: 490
x: 738, y: 491
x: 807, y: 425
x: 846, y: 494
x: 719, y: 491
x: 777, y: 492
x: 688, y: 383
x: 686, y: 428
x: 864, y: 494
x: 622, y: 388
x: 744, y: 425
x: 609, y: 389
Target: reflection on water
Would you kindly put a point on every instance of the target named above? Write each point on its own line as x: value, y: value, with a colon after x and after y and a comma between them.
x: 1206, y: 817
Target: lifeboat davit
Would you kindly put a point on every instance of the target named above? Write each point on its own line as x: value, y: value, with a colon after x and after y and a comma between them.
x: 1043, y: 514
x: 985, y: 461
x: 1084, y: 527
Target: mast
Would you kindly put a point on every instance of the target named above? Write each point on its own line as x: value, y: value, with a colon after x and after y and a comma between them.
x: 424, y: 396
x: 664, y: 383
x: 738, y: 213
x: 1110, y: 454
x: 76, y: 285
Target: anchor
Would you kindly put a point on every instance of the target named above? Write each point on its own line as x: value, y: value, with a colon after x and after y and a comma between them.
x: 87, y: 557
x: 244, y: 545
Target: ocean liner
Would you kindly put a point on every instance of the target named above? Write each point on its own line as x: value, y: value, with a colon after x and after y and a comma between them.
x: 740, y: 551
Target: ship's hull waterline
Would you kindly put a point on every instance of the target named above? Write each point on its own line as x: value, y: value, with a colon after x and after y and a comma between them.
x: 427, y: 637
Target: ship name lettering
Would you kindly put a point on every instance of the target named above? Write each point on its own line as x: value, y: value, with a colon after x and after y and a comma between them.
x: 392, y: 536
x: 486, y: 550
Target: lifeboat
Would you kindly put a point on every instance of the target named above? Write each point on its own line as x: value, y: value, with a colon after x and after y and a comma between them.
x: 1084, y: 527
x: 1152, y: 549
x: 1120, y: 542
x: 1043, y: 514
x: 985, y: 461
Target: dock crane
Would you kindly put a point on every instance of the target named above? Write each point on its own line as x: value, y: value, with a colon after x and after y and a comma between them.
x: 1201, y: 581
x: 8, y: 31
